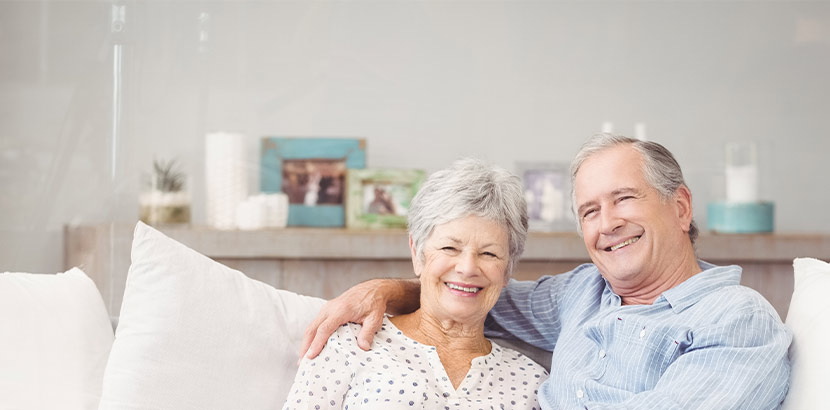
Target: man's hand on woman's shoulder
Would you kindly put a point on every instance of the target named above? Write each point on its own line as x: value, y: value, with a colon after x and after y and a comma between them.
x: 365, y: 304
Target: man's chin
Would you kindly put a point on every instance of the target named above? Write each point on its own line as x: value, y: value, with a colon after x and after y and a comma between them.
x: 618, y: 270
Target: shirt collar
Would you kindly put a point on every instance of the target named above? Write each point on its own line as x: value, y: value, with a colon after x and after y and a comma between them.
x: 695, y: 288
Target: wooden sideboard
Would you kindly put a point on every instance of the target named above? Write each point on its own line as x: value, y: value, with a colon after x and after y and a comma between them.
x: 324, y: 262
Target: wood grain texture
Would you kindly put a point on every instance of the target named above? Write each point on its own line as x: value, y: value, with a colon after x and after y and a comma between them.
x: 325, y: 262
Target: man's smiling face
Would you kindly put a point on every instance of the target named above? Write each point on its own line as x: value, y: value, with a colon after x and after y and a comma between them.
x: 629, y: 231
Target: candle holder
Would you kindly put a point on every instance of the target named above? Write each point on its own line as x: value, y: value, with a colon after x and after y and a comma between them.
x: 742, y: 211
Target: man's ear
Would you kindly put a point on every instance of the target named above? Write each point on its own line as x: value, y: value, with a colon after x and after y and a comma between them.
x: 416, y: 262
x: 683, y: 207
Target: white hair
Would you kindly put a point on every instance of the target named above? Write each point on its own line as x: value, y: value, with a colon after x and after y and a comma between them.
x: 660, y: 168
x: 470, y: 187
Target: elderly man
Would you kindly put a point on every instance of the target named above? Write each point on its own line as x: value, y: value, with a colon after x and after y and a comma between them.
x: 647, y: 325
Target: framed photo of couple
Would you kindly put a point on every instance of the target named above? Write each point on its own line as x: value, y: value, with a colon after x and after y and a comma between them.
x: 312, y: 173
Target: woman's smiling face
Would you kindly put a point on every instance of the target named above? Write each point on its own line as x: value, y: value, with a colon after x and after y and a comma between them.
x: 463, y: 269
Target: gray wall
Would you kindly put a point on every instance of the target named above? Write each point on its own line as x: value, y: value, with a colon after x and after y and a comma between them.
x: 424, y: 82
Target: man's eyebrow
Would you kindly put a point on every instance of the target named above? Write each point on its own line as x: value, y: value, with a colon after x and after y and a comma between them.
x: 626, y: 190
x: 583, y: 206
x: 614, y: 193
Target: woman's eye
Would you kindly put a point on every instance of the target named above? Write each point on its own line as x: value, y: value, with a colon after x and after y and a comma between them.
x: 448, y: 249
x: 490, y: 254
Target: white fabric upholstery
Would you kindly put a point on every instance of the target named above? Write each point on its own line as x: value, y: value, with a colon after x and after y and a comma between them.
x: 195, y: 334
x: 56, y: 336
x: 808, y: 319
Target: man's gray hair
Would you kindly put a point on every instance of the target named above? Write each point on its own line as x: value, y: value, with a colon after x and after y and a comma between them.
x: 660, y: 168
x: 470, y: 187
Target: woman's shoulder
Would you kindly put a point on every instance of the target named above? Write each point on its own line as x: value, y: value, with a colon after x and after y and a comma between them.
x: 346, y: 334
x: 514, y: 360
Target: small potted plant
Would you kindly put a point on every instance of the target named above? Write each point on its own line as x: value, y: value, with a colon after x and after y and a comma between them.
x: 164, y: 198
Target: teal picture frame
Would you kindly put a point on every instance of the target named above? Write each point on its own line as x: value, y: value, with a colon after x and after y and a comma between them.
x: 277, y: 154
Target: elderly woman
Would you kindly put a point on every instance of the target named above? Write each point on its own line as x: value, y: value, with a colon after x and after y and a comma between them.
x: 467, y: 227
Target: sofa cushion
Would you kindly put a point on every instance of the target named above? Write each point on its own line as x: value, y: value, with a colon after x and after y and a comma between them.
x: 56, y: 336
x: 195, y: 334
x: 807, y: 317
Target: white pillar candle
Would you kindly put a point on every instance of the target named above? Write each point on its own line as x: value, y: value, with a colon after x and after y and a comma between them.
x: 640, y: 131
x: 741, y: 172
x: 250, y: 214
x: 608, y: 127
x: 741, y: 183
x: 226, y: 178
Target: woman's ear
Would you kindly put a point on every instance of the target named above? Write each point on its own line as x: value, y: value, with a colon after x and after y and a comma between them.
x: 416, y: 263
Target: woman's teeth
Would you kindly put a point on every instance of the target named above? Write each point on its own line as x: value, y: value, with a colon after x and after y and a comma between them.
x: 626, y: 243
x: 461, y: 288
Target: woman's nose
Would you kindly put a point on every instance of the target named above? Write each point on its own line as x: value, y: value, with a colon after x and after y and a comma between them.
x: 467, y: 263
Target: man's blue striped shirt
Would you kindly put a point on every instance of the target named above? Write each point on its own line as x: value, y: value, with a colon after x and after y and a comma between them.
x: 709, y: 343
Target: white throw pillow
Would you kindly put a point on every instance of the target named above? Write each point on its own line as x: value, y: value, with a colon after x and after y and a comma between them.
x: 56, y: 336
x: 808, y: 319
x: 195, y: 334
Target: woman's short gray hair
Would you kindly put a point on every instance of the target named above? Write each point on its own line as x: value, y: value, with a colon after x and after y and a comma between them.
x: 661, y: 170
x: 470, y: 187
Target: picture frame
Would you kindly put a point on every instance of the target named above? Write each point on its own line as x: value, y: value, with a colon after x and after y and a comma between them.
x: 312, y: 172
x: 548, y: 195
x: 380, y: 198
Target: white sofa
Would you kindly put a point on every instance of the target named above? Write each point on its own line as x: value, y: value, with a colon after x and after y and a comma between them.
x: 194, y: 334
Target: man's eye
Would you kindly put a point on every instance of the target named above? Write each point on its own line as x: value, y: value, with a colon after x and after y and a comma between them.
x: 588, y: 213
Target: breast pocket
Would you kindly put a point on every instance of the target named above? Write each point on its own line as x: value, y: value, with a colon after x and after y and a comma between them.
x: 641, y: 352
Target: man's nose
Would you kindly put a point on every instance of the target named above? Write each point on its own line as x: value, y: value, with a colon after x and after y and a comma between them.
x: 609, y: 221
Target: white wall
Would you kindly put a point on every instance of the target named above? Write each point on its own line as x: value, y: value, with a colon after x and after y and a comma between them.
x: 424, y: 82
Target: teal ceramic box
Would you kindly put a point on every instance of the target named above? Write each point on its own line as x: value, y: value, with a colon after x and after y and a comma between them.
x: 740, y: 217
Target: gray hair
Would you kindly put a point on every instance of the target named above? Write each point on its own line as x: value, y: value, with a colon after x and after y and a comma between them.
x: 661, y: 170
x: 470, y: 187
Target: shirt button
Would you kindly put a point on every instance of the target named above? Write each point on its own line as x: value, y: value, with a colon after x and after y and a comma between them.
x: 579, y: 393
x: 642, y: 333
x: 602, y: 354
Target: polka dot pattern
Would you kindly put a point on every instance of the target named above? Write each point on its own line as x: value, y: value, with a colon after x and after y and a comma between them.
x: 399, y: 372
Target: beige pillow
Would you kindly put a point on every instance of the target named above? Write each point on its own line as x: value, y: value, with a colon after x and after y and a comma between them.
x: 197, y: 335
x: 808, y: 319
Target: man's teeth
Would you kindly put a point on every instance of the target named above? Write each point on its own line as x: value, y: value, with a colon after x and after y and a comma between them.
x: 456, y: 287
x: 626, y: 243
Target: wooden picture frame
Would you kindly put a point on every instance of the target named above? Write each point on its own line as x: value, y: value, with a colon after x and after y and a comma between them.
x: 312, y: 172
x: 548, y: 195
x: 380, y: 198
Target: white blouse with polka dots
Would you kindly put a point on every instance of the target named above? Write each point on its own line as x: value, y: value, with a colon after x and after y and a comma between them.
x: 401, y: 373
